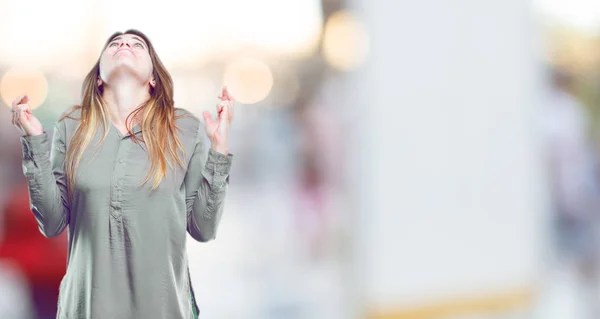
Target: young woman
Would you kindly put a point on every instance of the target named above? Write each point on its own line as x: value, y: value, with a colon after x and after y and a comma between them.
x: 125, y: 172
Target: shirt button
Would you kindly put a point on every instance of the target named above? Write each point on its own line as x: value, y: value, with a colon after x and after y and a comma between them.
x: 121, y: 161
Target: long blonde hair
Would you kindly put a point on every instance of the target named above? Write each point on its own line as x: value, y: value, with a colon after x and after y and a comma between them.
x: 157, y: 120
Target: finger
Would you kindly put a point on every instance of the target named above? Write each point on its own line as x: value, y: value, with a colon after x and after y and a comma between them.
x: 22, y: 108
x: 24, y: 99
x: 224, y: 115
x: 207, y: 118
x: 25, y: 107
x: 17, y: 101
x: 16, y: 122
x: 18, y: 117
x: 15, y: 115
x: 25, y: 124
x: 21, y: 119
x: 225, y: 93
x: 229, y: 107
x: 230, y: 97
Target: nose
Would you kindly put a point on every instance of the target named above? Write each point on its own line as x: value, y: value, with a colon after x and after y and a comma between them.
x: 124, y: 43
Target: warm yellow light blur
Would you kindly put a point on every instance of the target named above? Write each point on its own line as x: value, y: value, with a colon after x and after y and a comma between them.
x: 20, y: 80
x: 345, y: 41
x: 248, y: 80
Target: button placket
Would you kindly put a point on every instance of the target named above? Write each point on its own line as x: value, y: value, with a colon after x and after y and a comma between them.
x: 117, y: 188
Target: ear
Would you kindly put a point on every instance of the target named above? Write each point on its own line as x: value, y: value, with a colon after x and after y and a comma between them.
x: 152, y: 82
x: 99, y: 82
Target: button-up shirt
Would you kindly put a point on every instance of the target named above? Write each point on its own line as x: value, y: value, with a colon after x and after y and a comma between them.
x: 126, y: 247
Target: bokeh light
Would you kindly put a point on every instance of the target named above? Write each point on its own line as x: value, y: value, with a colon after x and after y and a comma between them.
x: 249, y: 80
x: 345, y: 41
x: 20, y: 80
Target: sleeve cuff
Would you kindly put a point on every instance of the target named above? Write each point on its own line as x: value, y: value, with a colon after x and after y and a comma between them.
x: 35, y: 147
x: 218, y: 162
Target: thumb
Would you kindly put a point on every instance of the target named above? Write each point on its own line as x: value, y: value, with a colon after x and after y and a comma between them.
x: 24, y: 122
x: 207, y: 118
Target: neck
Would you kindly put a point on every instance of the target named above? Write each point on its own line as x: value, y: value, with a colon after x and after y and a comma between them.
x: 122, y: 97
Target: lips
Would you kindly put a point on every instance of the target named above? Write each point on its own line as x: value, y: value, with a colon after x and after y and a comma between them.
x: 128, y: 50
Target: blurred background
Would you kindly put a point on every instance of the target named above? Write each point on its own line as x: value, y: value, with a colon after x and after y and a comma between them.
x: 393, y: 159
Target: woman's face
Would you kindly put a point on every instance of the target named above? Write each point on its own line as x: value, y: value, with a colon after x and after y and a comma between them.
x: 126, y: 54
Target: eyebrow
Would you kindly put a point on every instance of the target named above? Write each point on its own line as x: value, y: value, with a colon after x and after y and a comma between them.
x: 134, y: 37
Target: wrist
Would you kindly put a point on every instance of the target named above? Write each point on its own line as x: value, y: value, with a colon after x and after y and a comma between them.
x: 36, y: 133
x: 220, y: 149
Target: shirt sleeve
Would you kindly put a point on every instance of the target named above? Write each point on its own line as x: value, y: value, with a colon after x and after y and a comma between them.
x: 206, y: 184
x: 43, y: 166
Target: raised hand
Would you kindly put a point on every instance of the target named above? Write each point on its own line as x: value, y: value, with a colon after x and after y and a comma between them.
x: 218, y: 130
x: 23, y: 119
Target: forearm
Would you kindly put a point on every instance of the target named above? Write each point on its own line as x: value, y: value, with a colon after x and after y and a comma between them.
x: 47, y: 187
x: 208, y: 205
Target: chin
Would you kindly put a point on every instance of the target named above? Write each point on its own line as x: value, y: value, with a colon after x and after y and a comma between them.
x: 125, y: 67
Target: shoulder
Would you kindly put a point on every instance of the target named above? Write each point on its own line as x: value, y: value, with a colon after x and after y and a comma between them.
x: 189, y: 124
x: 69, y: 120
x: 71, y: 114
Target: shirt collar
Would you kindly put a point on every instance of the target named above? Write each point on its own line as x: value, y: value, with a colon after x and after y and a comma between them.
x: 136, y: 129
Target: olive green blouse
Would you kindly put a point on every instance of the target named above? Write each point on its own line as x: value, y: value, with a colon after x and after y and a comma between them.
x: 126, y: 243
